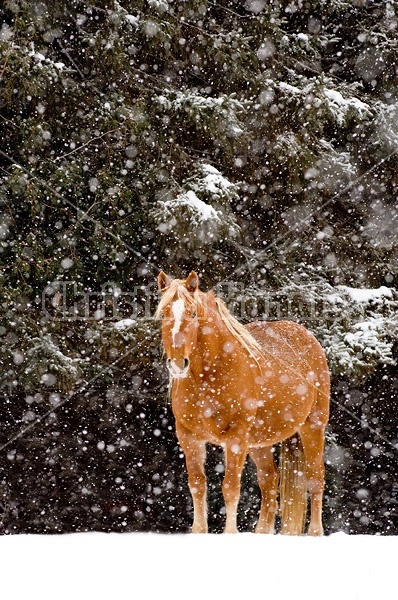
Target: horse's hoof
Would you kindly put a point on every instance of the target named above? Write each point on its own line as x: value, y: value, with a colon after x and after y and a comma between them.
x: 315, y: 532
x: 265, y: 530
x: 196, y: 529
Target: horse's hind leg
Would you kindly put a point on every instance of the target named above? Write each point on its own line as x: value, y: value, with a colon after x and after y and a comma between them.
x: 268, y: 478
x: 312, y: 436
x: 195, y: 455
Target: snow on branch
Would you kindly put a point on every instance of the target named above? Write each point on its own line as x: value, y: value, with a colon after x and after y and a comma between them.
x: 320, y: 95
x: 201, y: 212
x: 204, y: 109
x: 213, y: 184
x: 46, y: 363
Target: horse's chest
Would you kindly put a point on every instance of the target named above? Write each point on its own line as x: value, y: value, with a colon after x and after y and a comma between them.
x: 210, y: 414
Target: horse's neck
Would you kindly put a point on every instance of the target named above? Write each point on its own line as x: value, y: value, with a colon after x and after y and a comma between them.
x: 214, y: 338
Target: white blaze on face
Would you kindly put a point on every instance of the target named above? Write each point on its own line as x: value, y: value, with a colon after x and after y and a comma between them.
x: 177, y: 309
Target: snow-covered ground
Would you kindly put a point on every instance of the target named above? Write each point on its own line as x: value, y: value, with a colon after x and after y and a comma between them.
x: 96, y: 566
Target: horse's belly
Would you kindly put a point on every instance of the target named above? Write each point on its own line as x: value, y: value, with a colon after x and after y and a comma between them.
x: 279, y: 418
x: 211, y: 420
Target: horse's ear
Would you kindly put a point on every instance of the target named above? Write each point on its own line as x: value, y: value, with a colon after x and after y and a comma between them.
x: 192, y: 282
x: 163, y: 281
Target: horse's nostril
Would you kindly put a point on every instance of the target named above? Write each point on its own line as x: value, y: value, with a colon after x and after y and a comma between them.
x: 186, y: 363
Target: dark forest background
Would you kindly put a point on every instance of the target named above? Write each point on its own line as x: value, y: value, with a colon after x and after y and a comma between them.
x: 255, y: 142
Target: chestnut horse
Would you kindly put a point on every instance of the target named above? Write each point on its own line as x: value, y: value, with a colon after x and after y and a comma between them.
x: 246, y: 389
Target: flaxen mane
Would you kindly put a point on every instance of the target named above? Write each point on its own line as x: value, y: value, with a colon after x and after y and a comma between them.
x: 177, y: 290
x: 239, y: 332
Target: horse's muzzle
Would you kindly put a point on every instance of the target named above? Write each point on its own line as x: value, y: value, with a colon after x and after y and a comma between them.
x: 178, y: 369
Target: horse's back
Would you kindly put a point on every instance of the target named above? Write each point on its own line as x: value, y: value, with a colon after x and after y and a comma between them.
x: 296, y: 383
x: 290, y: 342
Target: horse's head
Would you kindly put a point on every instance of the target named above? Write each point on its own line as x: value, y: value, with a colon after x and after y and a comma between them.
x: 178, y: 310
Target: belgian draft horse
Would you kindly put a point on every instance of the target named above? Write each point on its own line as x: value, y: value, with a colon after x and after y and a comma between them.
x: 246, y: 389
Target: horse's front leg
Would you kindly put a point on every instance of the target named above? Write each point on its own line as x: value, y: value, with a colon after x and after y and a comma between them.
x: 235, y: 455
x: 195, y: 456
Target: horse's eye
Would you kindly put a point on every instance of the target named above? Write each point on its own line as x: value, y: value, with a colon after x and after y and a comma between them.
x: 193, y: 315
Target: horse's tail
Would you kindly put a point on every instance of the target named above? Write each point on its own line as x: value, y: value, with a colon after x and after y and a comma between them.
x: 292, y: 486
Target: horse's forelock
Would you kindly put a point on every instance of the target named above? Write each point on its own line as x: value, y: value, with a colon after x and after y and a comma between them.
x: 176, y: 290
